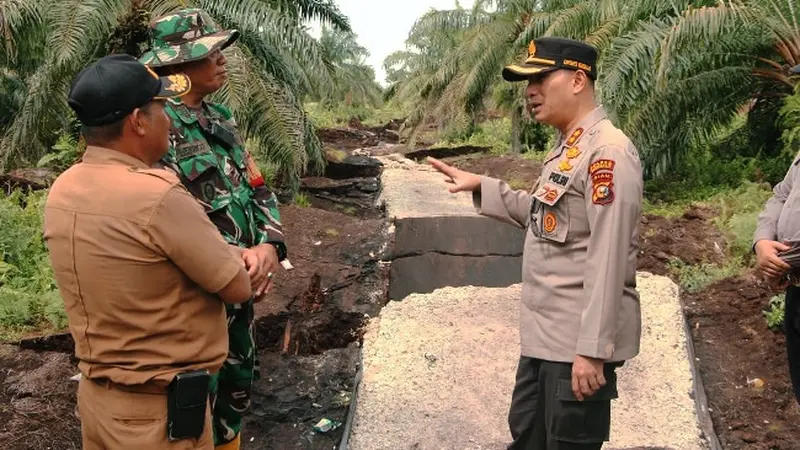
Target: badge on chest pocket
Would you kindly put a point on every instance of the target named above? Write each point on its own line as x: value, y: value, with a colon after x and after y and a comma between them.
x: 550, y: 222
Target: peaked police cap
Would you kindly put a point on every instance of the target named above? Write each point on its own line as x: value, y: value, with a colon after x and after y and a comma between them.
x: 547, y: 54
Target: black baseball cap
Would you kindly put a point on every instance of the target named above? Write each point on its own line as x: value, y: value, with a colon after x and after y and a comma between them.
x: 112, y: 87
x: 547, y: 54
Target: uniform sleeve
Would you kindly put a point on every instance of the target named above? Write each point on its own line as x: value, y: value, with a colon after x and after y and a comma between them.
x: 269, y: 229
x: 497, y: 200
x: 182, y: 230
x: 767, y: 225
x: 613, y: 204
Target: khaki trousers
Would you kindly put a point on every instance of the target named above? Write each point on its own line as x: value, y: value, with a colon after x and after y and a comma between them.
x: 113, y: 419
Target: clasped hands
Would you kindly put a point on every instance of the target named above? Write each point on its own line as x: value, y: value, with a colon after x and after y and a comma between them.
x: 770, y: 264
x: 261, y: 263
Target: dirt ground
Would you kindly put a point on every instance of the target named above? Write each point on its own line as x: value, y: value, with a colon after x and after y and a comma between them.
x: 734, y: 346
x: 690, y: 237
x: 506, y: 167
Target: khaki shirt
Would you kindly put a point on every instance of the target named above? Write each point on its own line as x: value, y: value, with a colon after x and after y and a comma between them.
x: 134, y: 257
x: 579, y: 262
x: 780, y: 219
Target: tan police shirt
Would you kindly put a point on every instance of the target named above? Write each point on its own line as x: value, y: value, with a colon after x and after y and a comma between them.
x: 780, y: 219
x: 135, y: 258
x: 579, y: 262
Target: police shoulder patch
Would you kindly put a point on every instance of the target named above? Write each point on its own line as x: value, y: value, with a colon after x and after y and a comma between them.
x: 602, y: 173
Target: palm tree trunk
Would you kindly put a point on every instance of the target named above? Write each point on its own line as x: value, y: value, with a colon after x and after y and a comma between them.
x: 516, y: 131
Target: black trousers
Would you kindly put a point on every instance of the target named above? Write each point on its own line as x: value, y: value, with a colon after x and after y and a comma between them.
x: 545, y: 415
x: 791, y: 327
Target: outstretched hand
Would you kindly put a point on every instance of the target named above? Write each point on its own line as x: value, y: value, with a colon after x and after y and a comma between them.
x: 461, y: 180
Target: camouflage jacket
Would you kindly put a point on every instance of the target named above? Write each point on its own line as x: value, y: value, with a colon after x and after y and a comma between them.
x: 207, y: 154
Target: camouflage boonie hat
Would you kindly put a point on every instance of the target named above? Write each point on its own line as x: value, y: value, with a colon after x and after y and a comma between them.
x: 184, y: 36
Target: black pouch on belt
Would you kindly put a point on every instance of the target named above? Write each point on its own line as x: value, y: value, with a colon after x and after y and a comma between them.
x: 187, y: 398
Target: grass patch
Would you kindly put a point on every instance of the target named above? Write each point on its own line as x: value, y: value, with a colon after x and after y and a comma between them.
x: 340, y: 115
x: 494, y: 134
x: 695, y: 278
x: 774, y: 315
x: 302, y: 200
x: 518, y: 183
x: 336, y: 155
x: 738, y: 211
x: 349, y: 210
x: 29, y: 298
x: 669, y: 210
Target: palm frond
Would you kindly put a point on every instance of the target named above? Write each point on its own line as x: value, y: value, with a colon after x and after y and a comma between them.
x: 274, y: 39
x: 269, y: 115
x: 18, y: 20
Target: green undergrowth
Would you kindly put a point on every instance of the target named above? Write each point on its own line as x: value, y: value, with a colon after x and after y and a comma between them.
x: 29, y: 299
x: 735, y: 213
x: 340, y: 115
x: 774, y: 312
x: 694, y: 278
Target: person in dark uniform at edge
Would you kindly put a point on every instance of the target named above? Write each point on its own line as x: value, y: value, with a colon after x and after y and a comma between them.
x: 580, y: 316
x: 779, y: 223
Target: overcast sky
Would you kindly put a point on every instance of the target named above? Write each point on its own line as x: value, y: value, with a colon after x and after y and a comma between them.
x: 382, y: 26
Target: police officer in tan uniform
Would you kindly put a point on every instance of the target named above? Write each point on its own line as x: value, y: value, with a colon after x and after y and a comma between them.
x: 580, y: 316
x: 143, y: 272
x: 777, y: 232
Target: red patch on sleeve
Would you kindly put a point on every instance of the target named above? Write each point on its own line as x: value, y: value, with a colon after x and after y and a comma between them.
x: 602, y: 173
x: 254, y: 176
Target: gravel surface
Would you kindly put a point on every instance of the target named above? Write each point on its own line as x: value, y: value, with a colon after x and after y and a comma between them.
x: 439, y: 370
x: 418, y: 190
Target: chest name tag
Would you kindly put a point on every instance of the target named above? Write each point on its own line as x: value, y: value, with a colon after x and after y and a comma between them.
x: 187, y: 150
x: 559, y: 178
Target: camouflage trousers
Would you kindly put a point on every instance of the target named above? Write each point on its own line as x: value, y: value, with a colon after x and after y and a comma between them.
x: 231, y: 394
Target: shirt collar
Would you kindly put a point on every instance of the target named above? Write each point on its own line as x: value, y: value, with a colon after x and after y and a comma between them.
x: 593, y: 118
x: 185, y: 114
x: 107, y: 156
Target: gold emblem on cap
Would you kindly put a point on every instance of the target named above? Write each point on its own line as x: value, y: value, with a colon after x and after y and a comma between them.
x: 177, y: 83
x: 532, y: 48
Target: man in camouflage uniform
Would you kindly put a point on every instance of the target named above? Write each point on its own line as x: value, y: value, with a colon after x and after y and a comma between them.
x: 208, y: 154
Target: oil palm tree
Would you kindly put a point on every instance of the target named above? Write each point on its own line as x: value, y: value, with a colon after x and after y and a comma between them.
x: 46, y: 42
x: 354, y: 81
x: 496, y: 32
x: 677, y: 83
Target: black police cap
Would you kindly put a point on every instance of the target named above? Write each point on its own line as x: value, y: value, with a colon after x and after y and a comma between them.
x: 551, y: 53
x: 111, y: 88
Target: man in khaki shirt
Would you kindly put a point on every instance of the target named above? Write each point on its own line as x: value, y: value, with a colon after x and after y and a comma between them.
x: 580, y: 316
x: 130, y: 249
